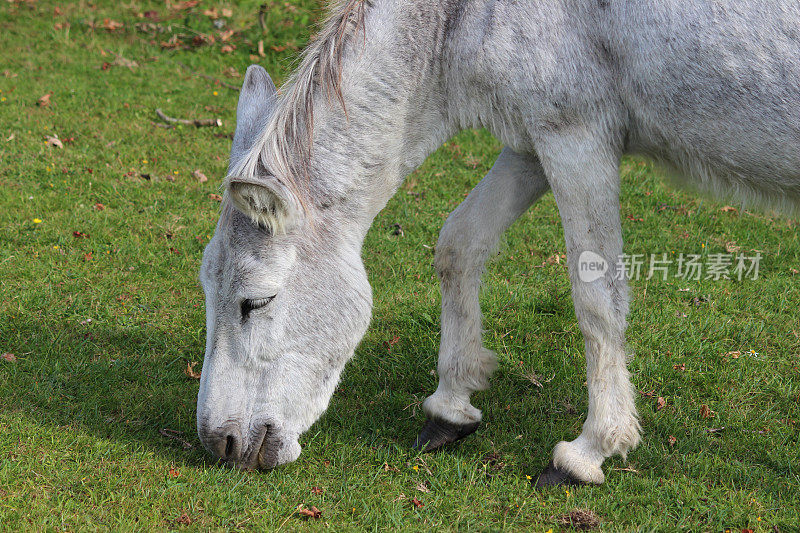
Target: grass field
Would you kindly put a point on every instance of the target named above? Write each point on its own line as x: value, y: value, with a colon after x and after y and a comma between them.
x: 101, y: 311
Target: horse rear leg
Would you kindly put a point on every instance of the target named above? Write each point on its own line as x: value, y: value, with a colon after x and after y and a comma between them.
x: 583, y: 172
x: 469, y: 235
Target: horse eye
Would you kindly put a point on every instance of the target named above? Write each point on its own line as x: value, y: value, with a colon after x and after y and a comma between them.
x: 250, y: 305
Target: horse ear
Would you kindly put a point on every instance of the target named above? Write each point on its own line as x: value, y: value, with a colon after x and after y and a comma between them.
x: 257, y: 101
x: 268, y: 202
x: 263, y: 198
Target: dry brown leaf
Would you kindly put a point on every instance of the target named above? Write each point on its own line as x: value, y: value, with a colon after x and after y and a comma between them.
x: 189, y: 370
x: 231, y: 72
x: 672, y: 440
x: 184, y: 519
x: 579, y: 519
x: 681, y: 367
x: 112, y: 25
x: 215, y: 197
x: 417, y: 503
x: 660, y: 403
x: 422, y: 487
x: 99, y: 207
x: 311, y: 512
x: 227, y: 49
x: 225, y: 35
x: 226, y: 12
x: 317, y: 490
x: 706, y: 412
x: 9, y: 357
x: 44, y: 100
x: 179, y: 6
x: 123, y: 62
x: 80, y: 235
x: 729, y: 209
x: 200, y: 176
x: 261, y: 49
x: 54, y: 141
x: 732, y: 247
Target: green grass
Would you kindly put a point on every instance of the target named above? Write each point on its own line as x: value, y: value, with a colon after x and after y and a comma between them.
x: 82, y: 406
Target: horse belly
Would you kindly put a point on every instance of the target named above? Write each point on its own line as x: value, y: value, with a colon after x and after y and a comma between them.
x: 717, y: 94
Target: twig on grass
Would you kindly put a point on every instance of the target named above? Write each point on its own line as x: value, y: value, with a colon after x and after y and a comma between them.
x: 176, y: 435
x: 216, y: 81
x: 197, y: 122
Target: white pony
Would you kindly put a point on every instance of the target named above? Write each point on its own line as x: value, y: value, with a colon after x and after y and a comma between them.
x: 711, y: 89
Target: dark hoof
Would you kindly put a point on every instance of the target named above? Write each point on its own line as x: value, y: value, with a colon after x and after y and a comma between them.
x: 436, y: 433
x: 554, y: 477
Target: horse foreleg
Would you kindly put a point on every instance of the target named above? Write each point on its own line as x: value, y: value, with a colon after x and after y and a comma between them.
x: 583, y: 172
x: 469, y: 235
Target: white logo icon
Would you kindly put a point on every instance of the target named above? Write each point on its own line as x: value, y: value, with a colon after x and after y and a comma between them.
x: 591, y: 267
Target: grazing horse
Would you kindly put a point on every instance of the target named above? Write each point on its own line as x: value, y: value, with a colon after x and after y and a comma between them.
x: 710, y: 89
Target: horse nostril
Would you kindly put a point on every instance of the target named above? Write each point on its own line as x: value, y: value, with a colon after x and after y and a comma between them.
x: 229, y: 444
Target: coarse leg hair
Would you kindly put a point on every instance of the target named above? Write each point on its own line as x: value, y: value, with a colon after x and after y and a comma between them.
x: 583, y: 171
x: 470, y: 234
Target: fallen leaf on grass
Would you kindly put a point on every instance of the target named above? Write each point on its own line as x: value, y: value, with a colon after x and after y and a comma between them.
x: 54, y: 141
x: 123, y: 62
x: 417, y: 503
x: 215, y: 197
x: 227, y: 49
x: 317, y: 490
x: 225, y: 35
x: 184, y: 519
x: 200, y: 176
x: 391, y: 342
x: 112, y: 25
x: 173, y: 472
x: 579, y: 519
x: 706, y: 412
x: 422, y: 487
x: 44, y: 100
x: 672, y: 440
x: 681, y: 367
x: 180, y: 6
x: 732, y: 247
x: 80, y: 235
x: 189, y: 370
x: 99, y: 207
x: 9, y: 357
x: 311, y: 512
x: 660, y: 403
x: 729, y: 209
x: 88, y: 257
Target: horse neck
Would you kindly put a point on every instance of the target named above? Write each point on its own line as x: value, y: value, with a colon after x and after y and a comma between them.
x: 393, y: 115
